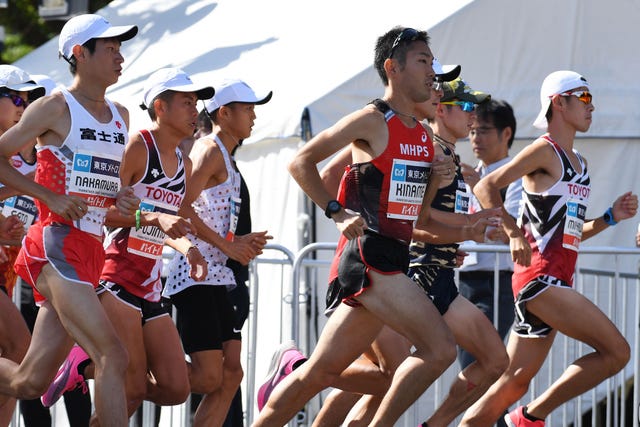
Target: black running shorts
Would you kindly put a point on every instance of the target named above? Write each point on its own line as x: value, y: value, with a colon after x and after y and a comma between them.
x: 368, y: 252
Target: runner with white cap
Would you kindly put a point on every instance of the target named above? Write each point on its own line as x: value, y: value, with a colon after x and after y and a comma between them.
x: 130, y: 283
x: 81, y: 137
x: 544, y: 246
x: 16, y: 90
x: 206, y: 318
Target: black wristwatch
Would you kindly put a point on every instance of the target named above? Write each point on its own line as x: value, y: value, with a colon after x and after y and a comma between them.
x: 333, y: 207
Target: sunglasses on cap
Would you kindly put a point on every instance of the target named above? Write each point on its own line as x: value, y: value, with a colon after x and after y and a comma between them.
x: 15, y: 99
x: 406, y: 35
x: 582, y: 95
x: 466, y: 106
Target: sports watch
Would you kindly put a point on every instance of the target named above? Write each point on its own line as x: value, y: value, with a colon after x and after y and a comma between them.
x: 333, y: 207
x: 608, y: 217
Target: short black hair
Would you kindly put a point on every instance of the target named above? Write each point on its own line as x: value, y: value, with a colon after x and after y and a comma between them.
x: 385, y: 47
x: 166, y: 96
x: 204, y: 123
x: 73, y: 65
x: 500, y: 113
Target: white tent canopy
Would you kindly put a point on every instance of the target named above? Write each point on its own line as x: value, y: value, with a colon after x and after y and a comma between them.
x: 319, y: 54
x: 301, y: 50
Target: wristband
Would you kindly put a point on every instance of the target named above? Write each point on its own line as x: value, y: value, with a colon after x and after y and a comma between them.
x: 608, y: 217
x: 137, y: 219
x: 333, y: 207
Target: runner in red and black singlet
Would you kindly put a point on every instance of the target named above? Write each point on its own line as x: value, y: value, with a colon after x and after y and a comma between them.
x: 386, y: 184
x: 387, y: 192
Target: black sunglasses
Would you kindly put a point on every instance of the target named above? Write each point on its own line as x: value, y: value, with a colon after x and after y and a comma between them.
x: 15, y: 99
x: 406, y: 35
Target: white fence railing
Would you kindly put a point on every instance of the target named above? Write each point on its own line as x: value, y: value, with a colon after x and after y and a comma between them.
x: 614, y: 403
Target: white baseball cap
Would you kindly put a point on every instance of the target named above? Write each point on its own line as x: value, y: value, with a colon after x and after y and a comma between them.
x: 172, y: 79
x: 446, y: 73
x: 234, y: 90
x: 47, y: 82
x: 556, y: 83
x: 82, y: 28
x: 17, y: 79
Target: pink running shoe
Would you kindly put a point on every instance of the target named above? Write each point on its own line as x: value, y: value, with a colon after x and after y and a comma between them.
x: 68, y: 378
x: 282, y: 363
x: 516, y: 418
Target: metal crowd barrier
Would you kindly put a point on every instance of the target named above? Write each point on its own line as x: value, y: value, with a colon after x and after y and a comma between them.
x: 615, y: 292
x: 614, y: 403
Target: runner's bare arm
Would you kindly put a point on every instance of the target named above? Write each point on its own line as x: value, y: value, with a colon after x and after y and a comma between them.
x: 536, y: 157
x: 363, y: 125
x: 331, y: 173
x: 131, y: 169
x: 197, y: 265
x: 208, y: 169
x: 47, y: 119
x: 624, y: 207
x: 438, y: 230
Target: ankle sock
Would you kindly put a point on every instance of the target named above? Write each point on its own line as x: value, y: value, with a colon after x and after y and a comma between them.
x: 297, y: 364
x: 529, y: 416
x: 82, y: 365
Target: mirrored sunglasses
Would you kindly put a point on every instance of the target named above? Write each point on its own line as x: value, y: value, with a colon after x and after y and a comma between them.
x: 582, y: 95
x: 15, y: 99
x: 466, y: 106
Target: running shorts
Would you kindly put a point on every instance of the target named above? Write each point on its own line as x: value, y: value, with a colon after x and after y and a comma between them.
x: 205, y: 317
x: 149, y: 310
x: 371, y: 251
x: 438, y: 282
x: 527, y: 324
x: 75, y: 255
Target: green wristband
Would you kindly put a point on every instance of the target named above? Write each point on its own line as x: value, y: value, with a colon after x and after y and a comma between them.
x: 137, y: 219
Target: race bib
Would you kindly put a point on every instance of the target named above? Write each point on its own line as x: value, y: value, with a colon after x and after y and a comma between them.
x: 406, y: 189
x: 95, y: 178
x: 234, y: 213
x: 462, y: 204
x: 573, y: 223
x: 148, y: 241
x: 24, y: 207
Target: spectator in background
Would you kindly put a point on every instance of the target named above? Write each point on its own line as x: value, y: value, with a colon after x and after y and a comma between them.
x: 491, y: 137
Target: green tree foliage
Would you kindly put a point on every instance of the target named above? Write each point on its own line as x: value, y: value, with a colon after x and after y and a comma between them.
x: 26, y: 30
